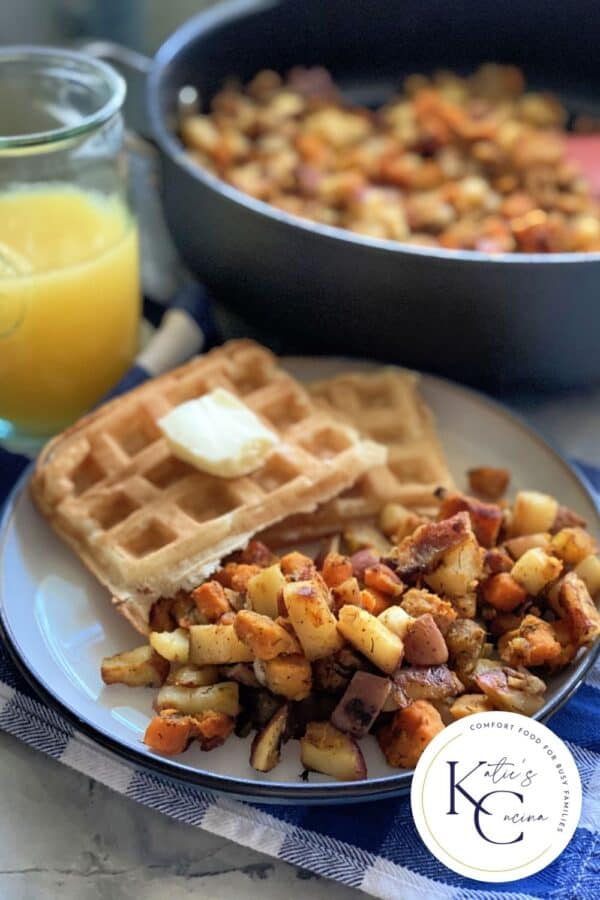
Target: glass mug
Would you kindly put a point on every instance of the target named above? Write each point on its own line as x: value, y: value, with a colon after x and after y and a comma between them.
x: 69, y: 270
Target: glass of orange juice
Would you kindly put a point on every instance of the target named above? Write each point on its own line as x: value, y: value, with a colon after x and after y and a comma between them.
x: 69, y: 272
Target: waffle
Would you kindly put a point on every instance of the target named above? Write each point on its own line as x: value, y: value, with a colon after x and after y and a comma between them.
x: 385, y: 406
x: 146, y: 523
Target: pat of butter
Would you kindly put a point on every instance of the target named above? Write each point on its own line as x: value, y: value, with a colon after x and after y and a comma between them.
x: 219, y: 434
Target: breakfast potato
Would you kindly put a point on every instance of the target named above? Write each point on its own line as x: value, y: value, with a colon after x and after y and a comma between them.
x: 469, y: 704
x: 579, y: 609
x: 428, y: 682
x: 217, y: 645
x: 589, y: 572
x: 459, y: 570
x: 171, y: 645
x: 489, y: 482
x: 286, y: 676
x: 325, y: 749
x: 315, y: 625
x: 347, y: 591
x: 142, y: 667
x: 424, y: 643
x: 397, y: 522
x: 265, y: 752
x: 535, y: 569
x: 532, y: 512
x: 371, y: 637
x: 465, y: 641
x: 264, y: 637
x: 396, y: 619
x: 406, y: 736
x: 533, y: 643
x: 573, y: 545
x: 264, y: 590
x: 511, y: 690
x: 418, y: 602
x: 222, y: 698
x: 486, y: 518
x: 193, y: 676
x: 519, y: 545
x: 363, y: 700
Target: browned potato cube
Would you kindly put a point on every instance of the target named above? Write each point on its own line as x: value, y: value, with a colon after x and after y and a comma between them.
x: 533, y: 643
x: 371, y: 638
x: 424, y: 643
x: 325, y: 749
x: 489, y: 482
x: 469, y: 704
x: 142, y: 667
x: 287, y: 676
x: 314, y: 623
x: 265, y: 638
x: 573, y: 545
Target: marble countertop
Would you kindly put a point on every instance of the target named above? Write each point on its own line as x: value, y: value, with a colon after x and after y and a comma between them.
x: 62, y: 834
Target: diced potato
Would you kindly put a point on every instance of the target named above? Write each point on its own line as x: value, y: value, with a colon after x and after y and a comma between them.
x: 428, y: 682
x: 363, y: 700
x: 314, y: 623
x: 266, y: 638
x: 193, y: 676
x: 409, y: 732
x: 142, y: 667
x: 519, y: 545
x: 533, y: 643
x: 489, y: 482
x: 424, y: 644
x: 381, y: 578
x: 265, y: 589
x: 417, y: 602
x: 396, y: 619
x: 347, y: 591
x: 532, y: 512
x: 371, y: 637
x: 397, y: 521
x: 461, y: 566
x: 217, y: 645
x: 579, y: 609
x: 486, y: 518
x: 222, y: 697
x: 325, y: 749
x: 266, y: 746
x: 511, y: 690
x: 469, y: 704
x: 172, y: 645
x: 287, y: 676
x: 573, y: 545
x: 535, y: 569
x: 465, y: 640
x: 589, y: 572
x: 362, y: 536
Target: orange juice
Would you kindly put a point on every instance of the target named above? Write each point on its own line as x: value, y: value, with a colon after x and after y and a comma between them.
x: 69, y: 303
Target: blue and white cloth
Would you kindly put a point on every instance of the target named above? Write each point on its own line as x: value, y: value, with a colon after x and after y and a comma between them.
x: 372, y: 846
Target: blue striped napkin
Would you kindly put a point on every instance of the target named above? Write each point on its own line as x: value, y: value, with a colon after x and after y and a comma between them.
x: 372, y: 846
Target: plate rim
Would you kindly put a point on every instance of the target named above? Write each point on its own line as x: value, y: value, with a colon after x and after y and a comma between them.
x: 238, y: 787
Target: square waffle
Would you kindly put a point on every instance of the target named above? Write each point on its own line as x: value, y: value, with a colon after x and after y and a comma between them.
x: 384, y: 406
x: 148, y: 524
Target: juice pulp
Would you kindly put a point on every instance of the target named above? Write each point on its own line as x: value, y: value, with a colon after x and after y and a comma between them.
x: 69, y: 303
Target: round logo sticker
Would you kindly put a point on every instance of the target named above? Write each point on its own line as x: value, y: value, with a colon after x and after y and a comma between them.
x: 496, y: 796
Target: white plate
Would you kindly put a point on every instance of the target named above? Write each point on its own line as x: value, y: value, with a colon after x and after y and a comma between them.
x: 59, y: 623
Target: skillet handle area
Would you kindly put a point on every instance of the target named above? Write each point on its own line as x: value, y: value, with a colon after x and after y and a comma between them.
x: 135, y: 68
